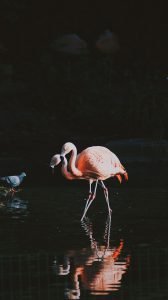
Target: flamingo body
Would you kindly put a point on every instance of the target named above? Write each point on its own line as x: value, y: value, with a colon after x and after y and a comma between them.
x: 98, y: 163
x: 95, y: 163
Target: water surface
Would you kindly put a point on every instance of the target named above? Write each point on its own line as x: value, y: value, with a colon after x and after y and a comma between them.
x: 47, y: 253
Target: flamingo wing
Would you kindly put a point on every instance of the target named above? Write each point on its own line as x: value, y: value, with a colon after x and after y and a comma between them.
x: 95, y: 162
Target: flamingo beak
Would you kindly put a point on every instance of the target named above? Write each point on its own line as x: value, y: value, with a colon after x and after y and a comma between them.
x: 62, y: 158
x: 52, y: 169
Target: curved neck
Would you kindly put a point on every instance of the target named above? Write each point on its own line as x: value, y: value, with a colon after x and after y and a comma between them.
x: 65, y: 171
x: 72, y: 163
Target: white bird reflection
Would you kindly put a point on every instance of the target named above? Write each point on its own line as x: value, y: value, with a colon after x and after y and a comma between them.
x: 14, y: 206
x: 98, y: 269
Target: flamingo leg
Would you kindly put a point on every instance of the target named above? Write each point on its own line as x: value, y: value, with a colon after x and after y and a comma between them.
x: 106, y: 196
x: 90, y: 200
x: 90, y: 194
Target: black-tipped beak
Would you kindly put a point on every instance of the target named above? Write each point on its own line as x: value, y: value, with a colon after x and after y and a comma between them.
x: 62, y: 158
x: 52, y: 167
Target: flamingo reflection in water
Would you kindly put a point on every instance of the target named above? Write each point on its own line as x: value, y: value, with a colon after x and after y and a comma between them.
x: 100, y: 268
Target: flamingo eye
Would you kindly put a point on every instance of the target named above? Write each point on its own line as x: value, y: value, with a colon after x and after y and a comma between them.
x: 65, y: 148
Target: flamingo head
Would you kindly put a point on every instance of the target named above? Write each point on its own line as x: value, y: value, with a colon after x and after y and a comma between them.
x: 55, y: 160
x: 66, y: 148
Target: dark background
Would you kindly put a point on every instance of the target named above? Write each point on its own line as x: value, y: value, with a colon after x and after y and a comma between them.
x: 48, y: 98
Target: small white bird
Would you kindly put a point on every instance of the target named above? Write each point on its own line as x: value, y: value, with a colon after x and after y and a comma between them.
x: 13, y: 181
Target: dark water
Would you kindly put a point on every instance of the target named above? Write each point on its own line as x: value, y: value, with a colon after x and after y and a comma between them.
x: 47, y: 253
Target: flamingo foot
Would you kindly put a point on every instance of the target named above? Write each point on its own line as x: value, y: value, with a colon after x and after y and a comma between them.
x: 119, y: 178
x: 126, y: 176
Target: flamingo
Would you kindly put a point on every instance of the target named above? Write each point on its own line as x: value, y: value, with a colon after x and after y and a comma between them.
x: 94, y: 164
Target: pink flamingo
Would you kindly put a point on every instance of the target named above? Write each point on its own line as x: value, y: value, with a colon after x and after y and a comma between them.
x: 94, y: 164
